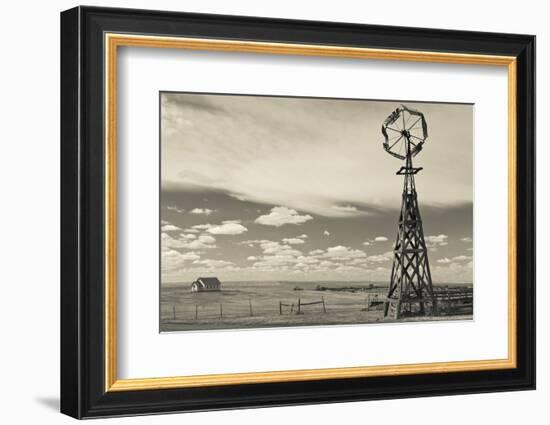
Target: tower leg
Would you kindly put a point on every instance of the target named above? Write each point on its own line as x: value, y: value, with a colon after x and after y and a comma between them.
x: 411, y: 290
x: 392, y: 309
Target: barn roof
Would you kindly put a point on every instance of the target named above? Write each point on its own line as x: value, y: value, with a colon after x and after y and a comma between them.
x: 209, y: 280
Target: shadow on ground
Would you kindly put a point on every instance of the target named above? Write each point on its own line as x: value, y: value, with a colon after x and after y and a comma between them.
x: 49, y: 402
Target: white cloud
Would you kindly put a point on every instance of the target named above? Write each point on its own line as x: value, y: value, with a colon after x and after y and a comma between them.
x: 307, y: 260
x: 326, y: 233
x: 173, y: 260
x: 270, y: 247
x: 358, y: 261
x: 348, y: 210
x: 284, y: 260
x: 366, y: 243
x: 304, y: 236
x: 192, y: 230
x: 176, y: 209
x: 202, y: 242
x: 277, y: 255
x: 168, y: 241
x: 343, y: 253
x: 466, y: 239
x: 460, y: 271
x: 380, y: 239
x: 190, y: 256
x: 280, y: 216
x: 227, y: 227
x: 462, y: 258
x: 435, y: 241
x: 276, y: 260
x: 293, y: 241
x: 207, y: 238
x: 252, y: 242
x: 387, y: 256
x: 203, y: 211
x: 336, y: 253
x: 455, y: 269
x: 169, y: 228
x: 209, y: 263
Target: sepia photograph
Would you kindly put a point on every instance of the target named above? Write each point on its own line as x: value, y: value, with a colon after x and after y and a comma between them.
x: 298, y: 211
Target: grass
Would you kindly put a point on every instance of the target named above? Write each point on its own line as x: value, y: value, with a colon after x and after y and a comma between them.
x: 256, y: 305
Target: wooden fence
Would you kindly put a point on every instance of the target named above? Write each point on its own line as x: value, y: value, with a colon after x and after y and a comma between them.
x: 300, y: 306
x: 209, y: 311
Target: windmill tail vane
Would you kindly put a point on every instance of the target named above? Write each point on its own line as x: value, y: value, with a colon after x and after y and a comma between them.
x: 411, y: 292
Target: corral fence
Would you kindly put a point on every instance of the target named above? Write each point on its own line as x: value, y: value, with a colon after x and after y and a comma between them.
x: 299, y: 306
x: 454, y: 300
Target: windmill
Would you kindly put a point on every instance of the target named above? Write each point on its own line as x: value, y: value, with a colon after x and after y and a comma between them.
x: 411, y: 292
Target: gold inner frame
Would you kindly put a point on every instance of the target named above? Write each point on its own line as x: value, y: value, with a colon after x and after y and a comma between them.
x: 113, y: 41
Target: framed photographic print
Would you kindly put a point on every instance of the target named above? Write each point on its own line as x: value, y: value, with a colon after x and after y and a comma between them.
x: 261, y: 212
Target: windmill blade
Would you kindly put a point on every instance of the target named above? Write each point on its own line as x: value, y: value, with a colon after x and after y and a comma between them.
x: 400, y: 128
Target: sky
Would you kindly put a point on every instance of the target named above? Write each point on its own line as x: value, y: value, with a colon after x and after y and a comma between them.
x: 276, y: 188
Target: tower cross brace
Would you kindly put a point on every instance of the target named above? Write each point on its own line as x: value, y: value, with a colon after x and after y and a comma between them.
x: 411, y: 290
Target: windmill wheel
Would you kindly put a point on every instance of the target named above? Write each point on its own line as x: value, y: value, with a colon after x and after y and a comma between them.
x: 405, y: 131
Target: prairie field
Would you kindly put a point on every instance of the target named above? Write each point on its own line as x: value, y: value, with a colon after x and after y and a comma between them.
x: 242, y: 305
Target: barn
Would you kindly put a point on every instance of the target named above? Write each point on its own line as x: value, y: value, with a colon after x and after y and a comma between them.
x: 206, y: 284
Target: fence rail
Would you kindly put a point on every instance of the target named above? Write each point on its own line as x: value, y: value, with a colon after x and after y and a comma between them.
x: 300, y: 306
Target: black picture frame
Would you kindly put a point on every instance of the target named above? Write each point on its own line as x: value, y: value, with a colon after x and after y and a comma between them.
x: 83, y: 392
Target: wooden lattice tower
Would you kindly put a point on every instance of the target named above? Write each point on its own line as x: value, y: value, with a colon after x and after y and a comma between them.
x: 411, y: 292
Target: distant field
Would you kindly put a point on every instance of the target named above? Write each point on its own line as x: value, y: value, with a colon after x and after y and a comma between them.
x: 257, y: 304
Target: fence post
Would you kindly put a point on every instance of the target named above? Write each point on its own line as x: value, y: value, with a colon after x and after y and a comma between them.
x: 250, y: 306
x: 299, y: 306
x: 280, y: 308
x: 221, y: 311
x: 324, y: 306
x: 196, y: 311
x: 174, y: 312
